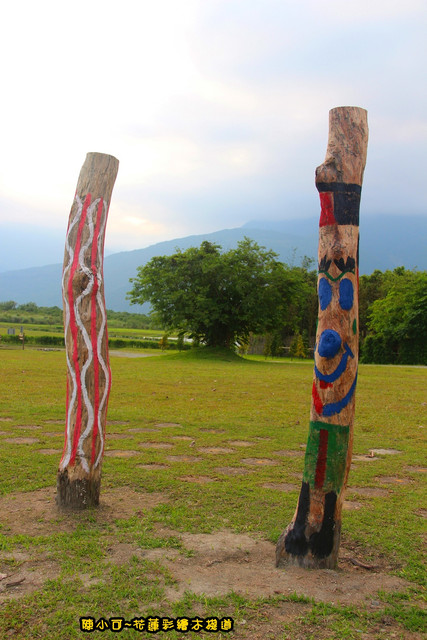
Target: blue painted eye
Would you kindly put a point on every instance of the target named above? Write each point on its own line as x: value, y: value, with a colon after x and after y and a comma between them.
x: 346, y: 294
x: 325, y: 293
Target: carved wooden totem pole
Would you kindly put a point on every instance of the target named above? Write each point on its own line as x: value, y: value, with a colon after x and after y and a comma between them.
x: 312, y: 539
x: 86, y: 339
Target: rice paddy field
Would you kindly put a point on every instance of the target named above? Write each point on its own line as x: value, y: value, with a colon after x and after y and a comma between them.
x: 201, y: 473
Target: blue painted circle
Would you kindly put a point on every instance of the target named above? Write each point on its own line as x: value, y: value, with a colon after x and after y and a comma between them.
x: 346, y: 294
x: 325, y: 293
x: 329, y: 344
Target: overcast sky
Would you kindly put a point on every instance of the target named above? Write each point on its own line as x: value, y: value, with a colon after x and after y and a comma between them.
x: 216, y: 109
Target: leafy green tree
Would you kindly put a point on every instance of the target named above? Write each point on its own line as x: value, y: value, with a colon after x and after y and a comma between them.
x: 164, y: 342
x: 397, y: 322
x: 217, y: 298
x: 9, y: 305
x: 267, y: 345
x: 297, y: 348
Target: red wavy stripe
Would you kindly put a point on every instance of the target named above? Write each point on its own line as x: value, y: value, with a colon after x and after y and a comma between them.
x: 93, y: 328
x: 74, y: 330
x: 318, y: 404
x: 66, y: 418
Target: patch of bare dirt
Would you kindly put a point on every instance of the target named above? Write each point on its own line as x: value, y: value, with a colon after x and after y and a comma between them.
x: 22, y: 440
x: 259, y: 461
x: 369, y: 492
x: 183, y: 438
x: 143, y: 430
x: 232, y: 471
x: 28, y: 575
x: 4, y: 433
x: 384, y: 452
x: 36, y: 512
x: 164, y: 425
x: 364, y: 458
x: 183, y: 458
x: 352, y: 505
x: 197, y: 479
x: 5, y: 419
x: 226, y: 561
x: 297, y: 474
x: 289, y: 453
x: 49, y: 452
x: 393, y: 480
x: 220, y: 563
x: 421, y: 512
x: 119, y: 422
x: 215, y: 450
x: 118, y: 436
x: 415, y: 469
x: 240, y: 443
x: 152, y: 465
x: 54, y: 421
x: 280, y: 486
x: 121, y: 453
x: 27, y: 427
x: 208, y: 430
x: 156, y: 445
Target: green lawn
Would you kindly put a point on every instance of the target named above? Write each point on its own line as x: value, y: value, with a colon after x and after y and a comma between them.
x: 215, y: 413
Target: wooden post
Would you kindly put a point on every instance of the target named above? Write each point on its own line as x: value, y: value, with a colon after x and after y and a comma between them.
x: 312, y: 539
x: 86, y: 339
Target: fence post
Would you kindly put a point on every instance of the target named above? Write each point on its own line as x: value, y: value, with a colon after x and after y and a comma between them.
x: 86, y: 338
x: 312, y: 539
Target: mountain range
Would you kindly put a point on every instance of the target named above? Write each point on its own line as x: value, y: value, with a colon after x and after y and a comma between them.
x: 386, y: 242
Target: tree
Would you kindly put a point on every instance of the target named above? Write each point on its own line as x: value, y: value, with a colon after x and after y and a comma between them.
x: 398, y: 322
x: 217, y: 298
x: 297, y: 348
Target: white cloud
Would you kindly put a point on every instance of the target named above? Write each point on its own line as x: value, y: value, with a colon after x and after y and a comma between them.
x: 216, y: 109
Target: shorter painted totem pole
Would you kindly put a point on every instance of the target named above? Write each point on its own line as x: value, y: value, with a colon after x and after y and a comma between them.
x: 86, y: 339
x: 312, y: 539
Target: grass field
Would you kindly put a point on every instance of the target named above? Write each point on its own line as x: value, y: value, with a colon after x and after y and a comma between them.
x: 201, y: 474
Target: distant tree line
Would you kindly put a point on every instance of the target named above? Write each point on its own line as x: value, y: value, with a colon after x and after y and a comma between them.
x: 249, y: 296
x: 31, y: 313
x: 226, y: 298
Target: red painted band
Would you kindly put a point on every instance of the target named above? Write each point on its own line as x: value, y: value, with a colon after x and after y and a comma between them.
x: 326, y: 209
x: 319, y: 478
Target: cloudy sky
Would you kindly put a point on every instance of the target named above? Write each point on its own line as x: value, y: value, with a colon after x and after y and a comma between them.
x: 216, y: 109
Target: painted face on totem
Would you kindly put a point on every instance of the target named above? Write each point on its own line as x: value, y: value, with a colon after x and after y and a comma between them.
x: 335, y: 371
x: 337, y: 332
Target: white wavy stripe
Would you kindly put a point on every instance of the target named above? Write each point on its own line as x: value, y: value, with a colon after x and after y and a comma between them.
x: 101, y: 305
x: 87, y: 291
x: 71, y: 393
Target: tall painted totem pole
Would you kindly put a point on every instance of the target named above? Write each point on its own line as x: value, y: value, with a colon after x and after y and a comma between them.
x: 86, y: 339
x: 312, y: 539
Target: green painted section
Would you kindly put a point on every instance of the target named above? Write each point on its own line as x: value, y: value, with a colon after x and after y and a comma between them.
x: 355, y: 326
x: 338, y: 436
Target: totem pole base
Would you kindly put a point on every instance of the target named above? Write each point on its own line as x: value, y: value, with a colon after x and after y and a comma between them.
x: 307, y: 560
x: 77, y: 493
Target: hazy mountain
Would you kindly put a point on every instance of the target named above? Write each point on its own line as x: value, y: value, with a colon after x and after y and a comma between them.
x: 386, y: 242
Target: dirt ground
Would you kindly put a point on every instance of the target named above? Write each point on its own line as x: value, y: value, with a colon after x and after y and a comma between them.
x: 219, y: 563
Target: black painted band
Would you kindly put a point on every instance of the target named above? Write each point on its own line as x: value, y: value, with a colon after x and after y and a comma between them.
x: 346, y: 200
x: 339, y: 187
